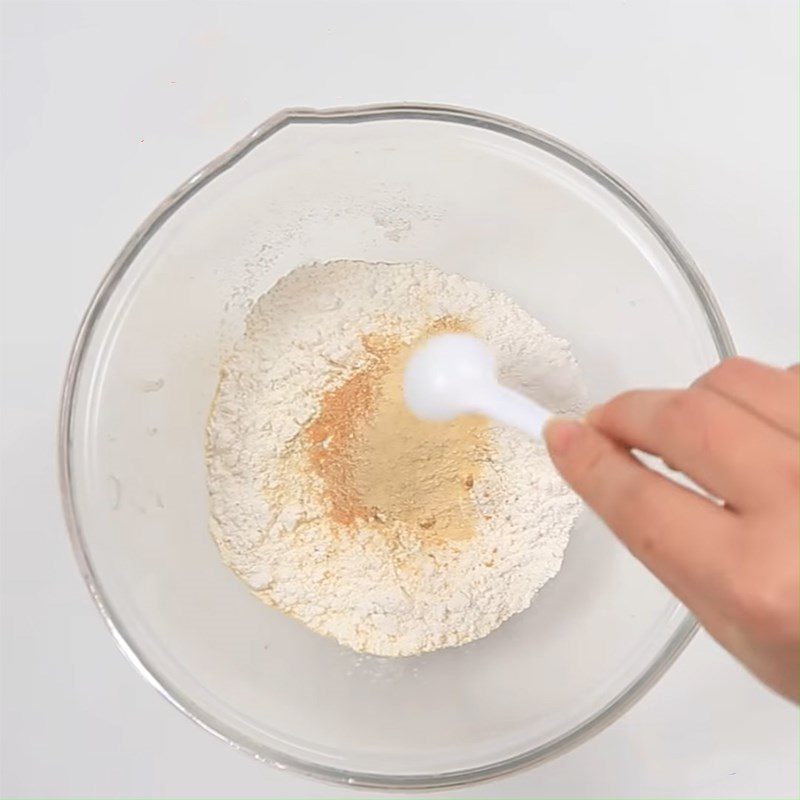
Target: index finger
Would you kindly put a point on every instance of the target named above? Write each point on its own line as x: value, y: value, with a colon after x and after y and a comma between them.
x: 720, y: 445
x: 773, y: 394
x: 679, y: 535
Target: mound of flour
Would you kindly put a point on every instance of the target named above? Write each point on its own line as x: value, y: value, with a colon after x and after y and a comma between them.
x: 395, y: 537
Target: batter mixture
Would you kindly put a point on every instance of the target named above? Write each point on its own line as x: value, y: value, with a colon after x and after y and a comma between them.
x: 335, y: 505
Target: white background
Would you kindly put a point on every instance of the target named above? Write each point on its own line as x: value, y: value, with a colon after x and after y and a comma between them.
x: 107, y: 107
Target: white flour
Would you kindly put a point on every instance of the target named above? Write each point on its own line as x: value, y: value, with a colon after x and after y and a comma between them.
x: 382, y: 585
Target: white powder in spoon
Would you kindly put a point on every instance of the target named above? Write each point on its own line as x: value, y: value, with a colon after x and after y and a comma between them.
x: 336, y: 506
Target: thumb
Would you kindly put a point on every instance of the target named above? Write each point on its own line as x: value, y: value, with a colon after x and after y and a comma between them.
x: 590, y: 462
x: 654, y: 517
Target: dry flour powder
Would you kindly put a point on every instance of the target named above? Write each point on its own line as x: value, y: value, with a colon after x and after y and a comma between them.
x: 393, y: 535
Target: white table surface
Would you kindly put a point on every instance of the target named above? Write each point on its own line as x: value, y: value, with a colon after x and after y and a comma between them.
x: 107, y: 107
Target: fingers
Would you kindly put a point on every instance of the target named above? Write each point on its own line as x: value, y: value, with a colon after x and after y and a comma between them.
x: 674, y: 531
x: 733, y: 454
x: 773, y: 394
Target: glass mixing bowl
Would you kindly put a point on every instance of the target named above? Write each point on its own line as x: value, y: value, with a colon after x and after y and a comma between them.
x: 471, y: 193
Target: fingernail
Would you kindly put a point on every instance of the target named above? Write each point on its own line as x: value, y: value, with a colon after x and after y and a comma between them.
x: 561, y: 433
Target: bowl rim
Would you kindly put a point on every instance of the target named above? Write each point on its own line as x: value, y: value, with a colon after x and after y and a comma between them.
x: 614, y: 708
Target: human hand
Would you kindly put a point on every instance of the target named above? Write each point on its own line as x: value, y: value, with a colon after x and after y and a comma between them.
x: 735, y: 432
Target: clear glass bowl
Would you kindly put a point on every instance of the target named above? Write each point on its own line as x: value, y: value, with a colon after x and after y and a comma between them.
x: 468, y: 192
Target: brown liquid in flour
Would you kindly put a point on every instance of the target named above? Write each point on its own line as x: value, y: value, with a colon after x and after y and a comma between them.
x: 380, y: 463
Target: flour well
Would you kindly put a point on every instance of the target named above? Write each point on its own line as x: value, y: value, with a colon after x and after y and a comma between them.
x: 336, y: 506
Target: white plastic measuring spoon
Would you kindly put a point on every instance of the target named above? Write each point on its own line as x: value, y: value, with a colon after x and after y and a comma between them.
x: 453, y: 374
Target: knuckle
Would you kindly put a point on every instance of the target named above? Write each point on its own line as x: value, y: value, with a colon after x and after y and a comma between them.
x: 765, y: 609
x: 613, y: 414
x: 645, y: 544
x: 733, y: 370
x: 591, y: 461
x: 641, y: 498
x: 681, y: 409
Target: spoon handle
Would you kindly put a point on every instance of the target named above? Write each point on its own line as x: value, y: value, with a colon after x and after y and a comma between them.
x: 512, y: 408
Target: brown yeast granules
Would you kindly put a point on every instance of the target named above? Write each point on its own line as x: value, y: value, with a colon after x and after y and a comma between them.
x: 381, y: 464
